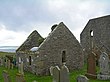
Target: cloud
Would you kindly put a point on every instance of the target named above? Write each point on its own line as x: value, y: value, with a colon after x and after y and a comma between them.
x: 9, y: 38
x: 19, y: 18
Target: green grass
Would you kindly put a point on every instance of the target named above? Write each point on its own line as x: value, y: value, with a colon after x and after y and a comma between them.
x: 2, y: 54
x: 29, y: 77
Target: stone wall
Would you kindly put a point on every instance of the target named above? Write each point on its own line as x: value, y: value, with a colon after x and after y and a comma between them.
x: 100, y: 40
x: 59, y: 41
x: 33, y: 40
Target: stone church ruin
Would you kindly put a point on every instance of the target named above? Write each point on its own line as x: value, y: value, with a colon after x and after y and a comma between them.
x: 95, y: 36
x: 60, y: 47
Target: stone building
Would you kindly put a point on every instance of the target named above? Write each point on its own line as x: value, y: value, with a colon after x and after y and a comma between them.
x: 96, y: 36
x: 33, y: 40
x: 59, y: 47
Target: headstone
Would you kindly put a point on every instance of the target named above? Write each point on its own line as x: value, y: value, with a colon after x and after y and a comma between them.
x: 6, y: 63
x: 56, y: 74
x: 64, y: 74
x: 104, y: 67
x: 9, y: 64
x: 91, y: 66
x: 6, y: 76
x: 20, y: 78
x: 82, y: 78
x: 51, y: 70
x: 104, y: 63
x: 21, y: 68
x: 1, y: 61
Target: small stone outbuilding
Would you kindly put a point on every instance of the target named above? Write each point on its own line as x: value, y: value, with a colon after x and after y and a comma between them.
x: 59, y: 47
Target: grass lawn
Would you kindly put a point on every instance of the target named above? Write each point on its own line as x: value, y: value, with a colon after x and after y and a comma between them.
x: 29, y: 77
x: 2, y: 54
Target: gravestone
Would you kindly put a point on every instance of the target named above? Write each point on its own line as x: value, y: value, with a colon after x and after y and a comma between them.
x: 64, y: 74
x: 104, y: 67
x: 82, y: 78
x: 9, y: 64
x: 51, y: 70
x: 20, y: 68
x: 20, y: 78
x: 6, y: 76
x: 91, y: 66
x: 6, y: 62
x: 1, y: 61
x: 56, y: 74
x: 104, y: 63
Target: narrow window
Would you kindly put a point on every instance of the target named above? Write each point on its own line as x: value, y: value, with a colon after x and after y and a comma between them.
x: 63, y: 56
x: 91, y: 33
x: 29, y: 60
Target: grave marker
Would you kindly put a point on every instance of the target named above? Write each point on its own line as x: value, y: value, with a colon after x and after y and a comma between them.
x: 82, y: 78
x: 91, y: 66
x: 20, y: 78
x: 56, y: 74
x: 104, y: 67
x: 64, y: 74
x: 6, y: 76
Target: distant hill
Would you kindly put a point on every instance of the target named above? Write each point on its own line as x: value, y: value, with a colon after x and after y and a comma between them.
x: 8, y: 48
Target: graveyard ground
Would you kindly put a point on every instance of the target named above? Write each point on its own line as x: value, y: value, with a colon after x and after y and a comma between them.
x: 29, y: 77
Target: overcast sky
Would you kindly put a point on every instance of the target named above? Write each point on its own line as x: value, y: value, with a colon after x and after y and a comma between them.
x: 18, y: 18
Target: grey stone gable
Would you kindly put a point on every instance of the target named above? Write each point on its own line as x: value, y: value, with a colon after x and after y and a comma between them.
x: 61, y: 32
x: 61, y: 39
x: 94, y: 21
x: 30, y: 42
x: 101, y: 31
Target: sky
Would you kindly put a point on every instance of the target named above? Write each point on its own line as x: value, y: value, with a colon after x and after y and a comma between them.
x: 18, y: 18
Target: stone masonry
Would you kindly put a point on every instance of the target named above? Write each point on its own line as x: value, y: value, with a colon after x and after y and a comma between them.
x: 59, y: 47
x: 96, y: 34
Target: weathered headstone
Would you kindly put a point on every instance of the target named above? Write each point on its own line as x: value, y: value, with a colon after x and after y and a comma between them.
x: 104, y: 63
x: 91, y: 66
x: 6, y: 76
x: 64, y: 74
x: 82, y: 78
x: 1, y: 61
x: 6, y: 62
x: 56, y: 74
x: 20, y: 78
x: 51, y: 70
x: 9, y: 64
x: 104, y: 67
x: 20, y: 68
